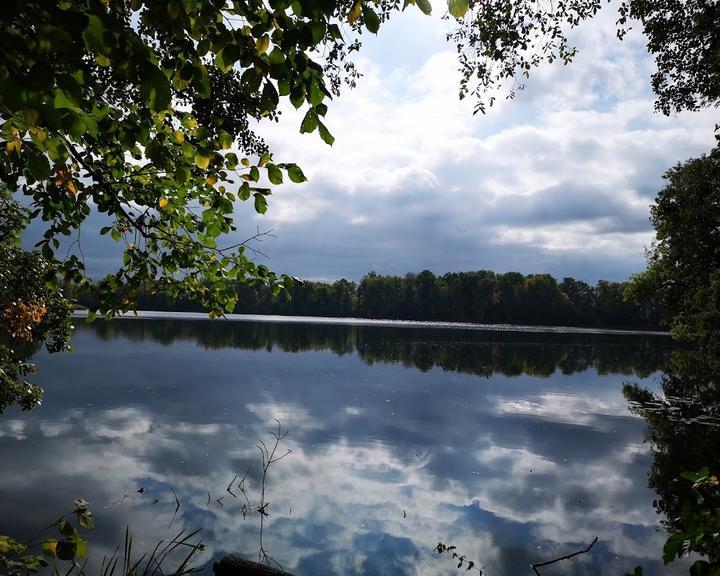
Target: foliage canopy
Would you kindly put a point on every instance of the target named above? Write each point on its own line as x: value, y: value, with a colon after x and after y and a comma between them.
x: 683, y: 272
x: 33, y: 312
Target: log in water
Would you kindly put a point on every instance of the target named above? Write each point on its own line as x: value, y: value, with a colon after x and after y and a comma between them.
x: 235, y: 566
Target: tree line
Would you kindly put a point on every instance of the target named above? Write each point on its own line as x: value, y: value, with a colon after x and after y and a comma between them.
x: 483, y: 297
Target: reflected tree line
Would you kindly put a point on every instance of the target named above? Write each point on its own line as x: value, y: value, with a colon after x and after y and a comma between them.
x: 483, y: 297
x: 482, y: 353
x: 683, y: 429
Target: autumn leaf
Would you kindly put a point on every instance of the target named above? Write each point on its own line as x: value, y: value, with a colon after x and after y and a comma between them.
x: 263, y: 44
x: 355, y: 12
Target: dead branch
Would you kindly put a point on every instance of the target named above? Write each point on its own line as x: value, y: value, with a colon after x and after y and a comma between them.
x: 567, y: 557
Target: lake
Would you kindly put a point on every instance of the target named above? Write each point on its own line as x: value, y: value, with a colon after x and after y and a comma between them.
x: 516, y: 447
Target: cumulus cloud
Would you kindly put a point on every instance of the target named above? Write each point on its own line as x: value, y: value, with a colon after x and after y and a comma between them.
x: 558, y: 180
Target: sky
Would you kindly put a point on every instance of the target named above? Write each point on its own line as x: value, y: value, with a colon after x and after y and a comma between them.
x: 558, y: 180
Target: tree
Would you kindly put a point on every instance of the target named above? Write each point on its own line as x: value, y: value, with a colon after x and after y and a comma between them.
x: 33, y: 312
x: 500, y: 41
x: 684, y: 268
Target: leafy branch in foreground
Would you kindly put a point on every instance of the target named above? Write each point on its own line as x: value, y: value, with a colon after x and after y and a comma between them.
x: 32, y: 311
x: 70, y: 546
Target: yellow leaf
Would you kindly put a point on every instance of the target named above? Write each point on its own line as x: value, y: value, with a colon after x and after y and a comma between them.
x: 355, y: 12
x: 264, y: 159
x: 211, y: 180
x: 71, y: 187
x: 13, y: 146
x: 179, y: 136
x: 245, y: 162
x: 49, y: 547
x: 201, y: 161
x: 39, y: 134
x: 163, y: 202
x: 262, y: 44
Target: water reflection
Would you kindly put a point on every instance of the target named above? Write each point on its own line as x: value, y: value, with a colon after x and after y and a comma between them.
x: 684, y: 433
x: 397, y: 443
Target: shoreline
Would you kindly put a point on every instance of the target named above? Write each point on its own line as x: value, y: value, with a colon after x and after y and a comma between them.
x: 276, y: 319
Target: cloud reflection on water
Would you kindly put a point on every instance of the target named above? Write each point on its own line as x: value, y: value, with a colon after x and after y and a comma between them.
x: 386, y: 460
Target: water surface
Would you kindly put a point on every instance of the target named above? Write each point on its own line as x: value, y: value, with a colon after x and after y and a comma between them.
x: 516, y: 447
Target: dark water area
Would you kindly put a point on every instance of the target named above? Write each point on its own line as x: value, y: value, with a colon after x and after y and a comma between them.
x: 514, y: 447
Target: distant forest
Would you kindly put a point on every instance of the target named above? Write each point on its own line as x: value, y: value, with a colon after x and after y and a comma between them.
x: 483, y: 297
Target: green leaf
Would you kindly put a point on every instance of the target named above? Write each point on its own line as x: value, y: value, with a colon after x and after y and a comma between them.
x: 325, y: 134
x: 231, y: 160
x: 155, y: 89
x: 424, y: 5
x: 695, y: 476
x: 673, y: 547
x: 317, y: 31
x: 202, y: 161
x: 274, y: 174
x: 458, y: 8
x: 309, y: 122
x: 295, y: 174
x: 225, y: 140
x: 372, y: 21
x: 65, y: 101
x: 81, y: 548
x: 86, y: 519
x: 39, y: 167
x: 260, y: 203
x: 276, y: 56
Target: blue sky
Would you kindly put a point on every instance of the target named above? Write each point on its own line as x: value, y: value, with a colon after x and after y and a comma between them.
x: 558, y: 180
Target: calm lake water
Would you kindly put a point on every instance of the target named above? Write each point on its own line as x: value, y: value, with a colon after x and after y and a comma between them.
x: 514, y: 447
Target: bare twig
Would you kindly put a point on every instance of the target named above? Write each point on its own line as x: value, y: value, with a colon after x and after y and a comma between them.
x: 539, y: 564
x: 177, y: 507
